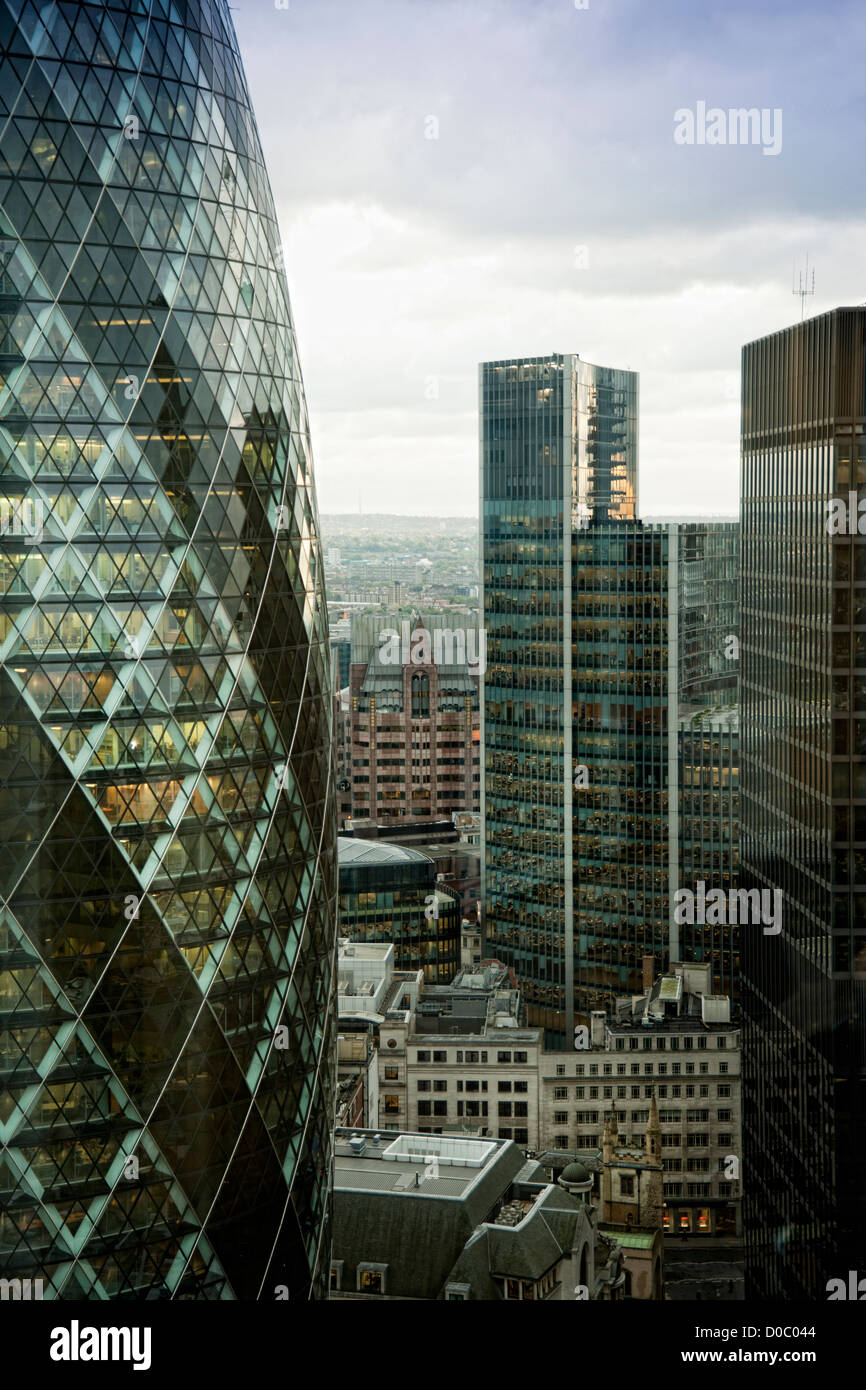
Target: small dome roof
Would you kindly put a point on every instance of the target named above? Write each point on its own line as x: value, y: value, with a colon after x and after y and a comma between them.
x: 574, y: 1173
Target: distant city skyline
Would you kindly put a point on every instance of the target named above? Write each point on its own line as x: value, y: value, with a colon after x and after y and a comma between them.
x: 555, y: 212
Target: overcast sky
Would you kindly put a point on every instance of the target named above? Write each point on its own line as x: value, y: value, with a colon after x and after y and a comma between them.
x: 554, y: 213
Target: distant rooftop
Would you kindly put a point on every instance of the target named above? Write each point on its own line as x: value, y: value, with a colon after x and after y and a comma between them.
x: 652, y: 1012
x: 480, y: 1002
x: 365, y: 950
x: 501, y: 1037
x: 369, y: 853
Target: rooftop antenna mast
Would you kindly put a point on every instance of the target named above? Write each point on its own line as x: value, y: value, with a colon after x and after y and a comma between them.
x: 804, y: 289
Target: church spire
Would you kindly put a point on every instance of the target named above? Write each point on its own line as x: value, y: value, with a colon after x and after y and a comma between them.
x: 652, y: 1143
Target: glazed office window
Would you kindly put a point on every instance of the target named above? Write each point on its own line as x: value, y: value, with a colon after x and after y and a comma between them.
x: 371, y: 1278
x: 420, y: 696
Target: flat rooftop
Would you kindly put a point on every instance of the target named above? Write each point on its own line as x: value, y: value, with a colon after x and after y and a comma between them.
x: 688, y: 1023
x: 364, y: 950
x: 498, y: 1037
x: 430, y: 1165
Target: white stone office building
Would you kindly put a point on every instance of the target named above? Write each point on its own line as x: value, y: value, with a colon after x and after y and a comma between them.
x: 372, y: 995
x: 458, y: 1062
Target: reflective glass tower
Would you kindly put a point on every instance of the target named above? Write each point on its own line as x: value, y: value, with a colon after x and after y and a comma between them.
x: 654, y: 730
x: 803, y: 799
x: 167, y: 860
x: 609, y: 730
x: 558, y: 448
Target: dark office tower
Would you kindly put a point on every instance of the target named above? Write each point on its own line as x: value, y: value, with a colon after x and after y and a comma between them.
x: 708, y: 758
x: 707, y: 807
x: 803, y: 803
x: 558, y: 446
x: 167, y: 863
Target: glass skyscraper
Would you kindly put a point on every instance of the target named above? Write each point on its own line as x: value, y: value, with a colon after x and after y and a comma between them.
x: 620, y: 717
x: 803, y: 800
x: 598, y: 626
x: 167, y: 841
x: 558, y: 447
x: 654, y: 718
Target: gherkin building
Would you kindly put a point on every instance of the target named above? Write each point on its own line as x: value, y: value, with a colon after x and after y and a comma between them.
x: 167, y: 864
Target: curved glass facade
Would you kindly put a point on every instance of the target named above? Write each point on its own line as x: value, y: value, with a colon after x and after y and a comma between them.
x: 558, y: 451
x: 390, y: 893
x: 167, y: 856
